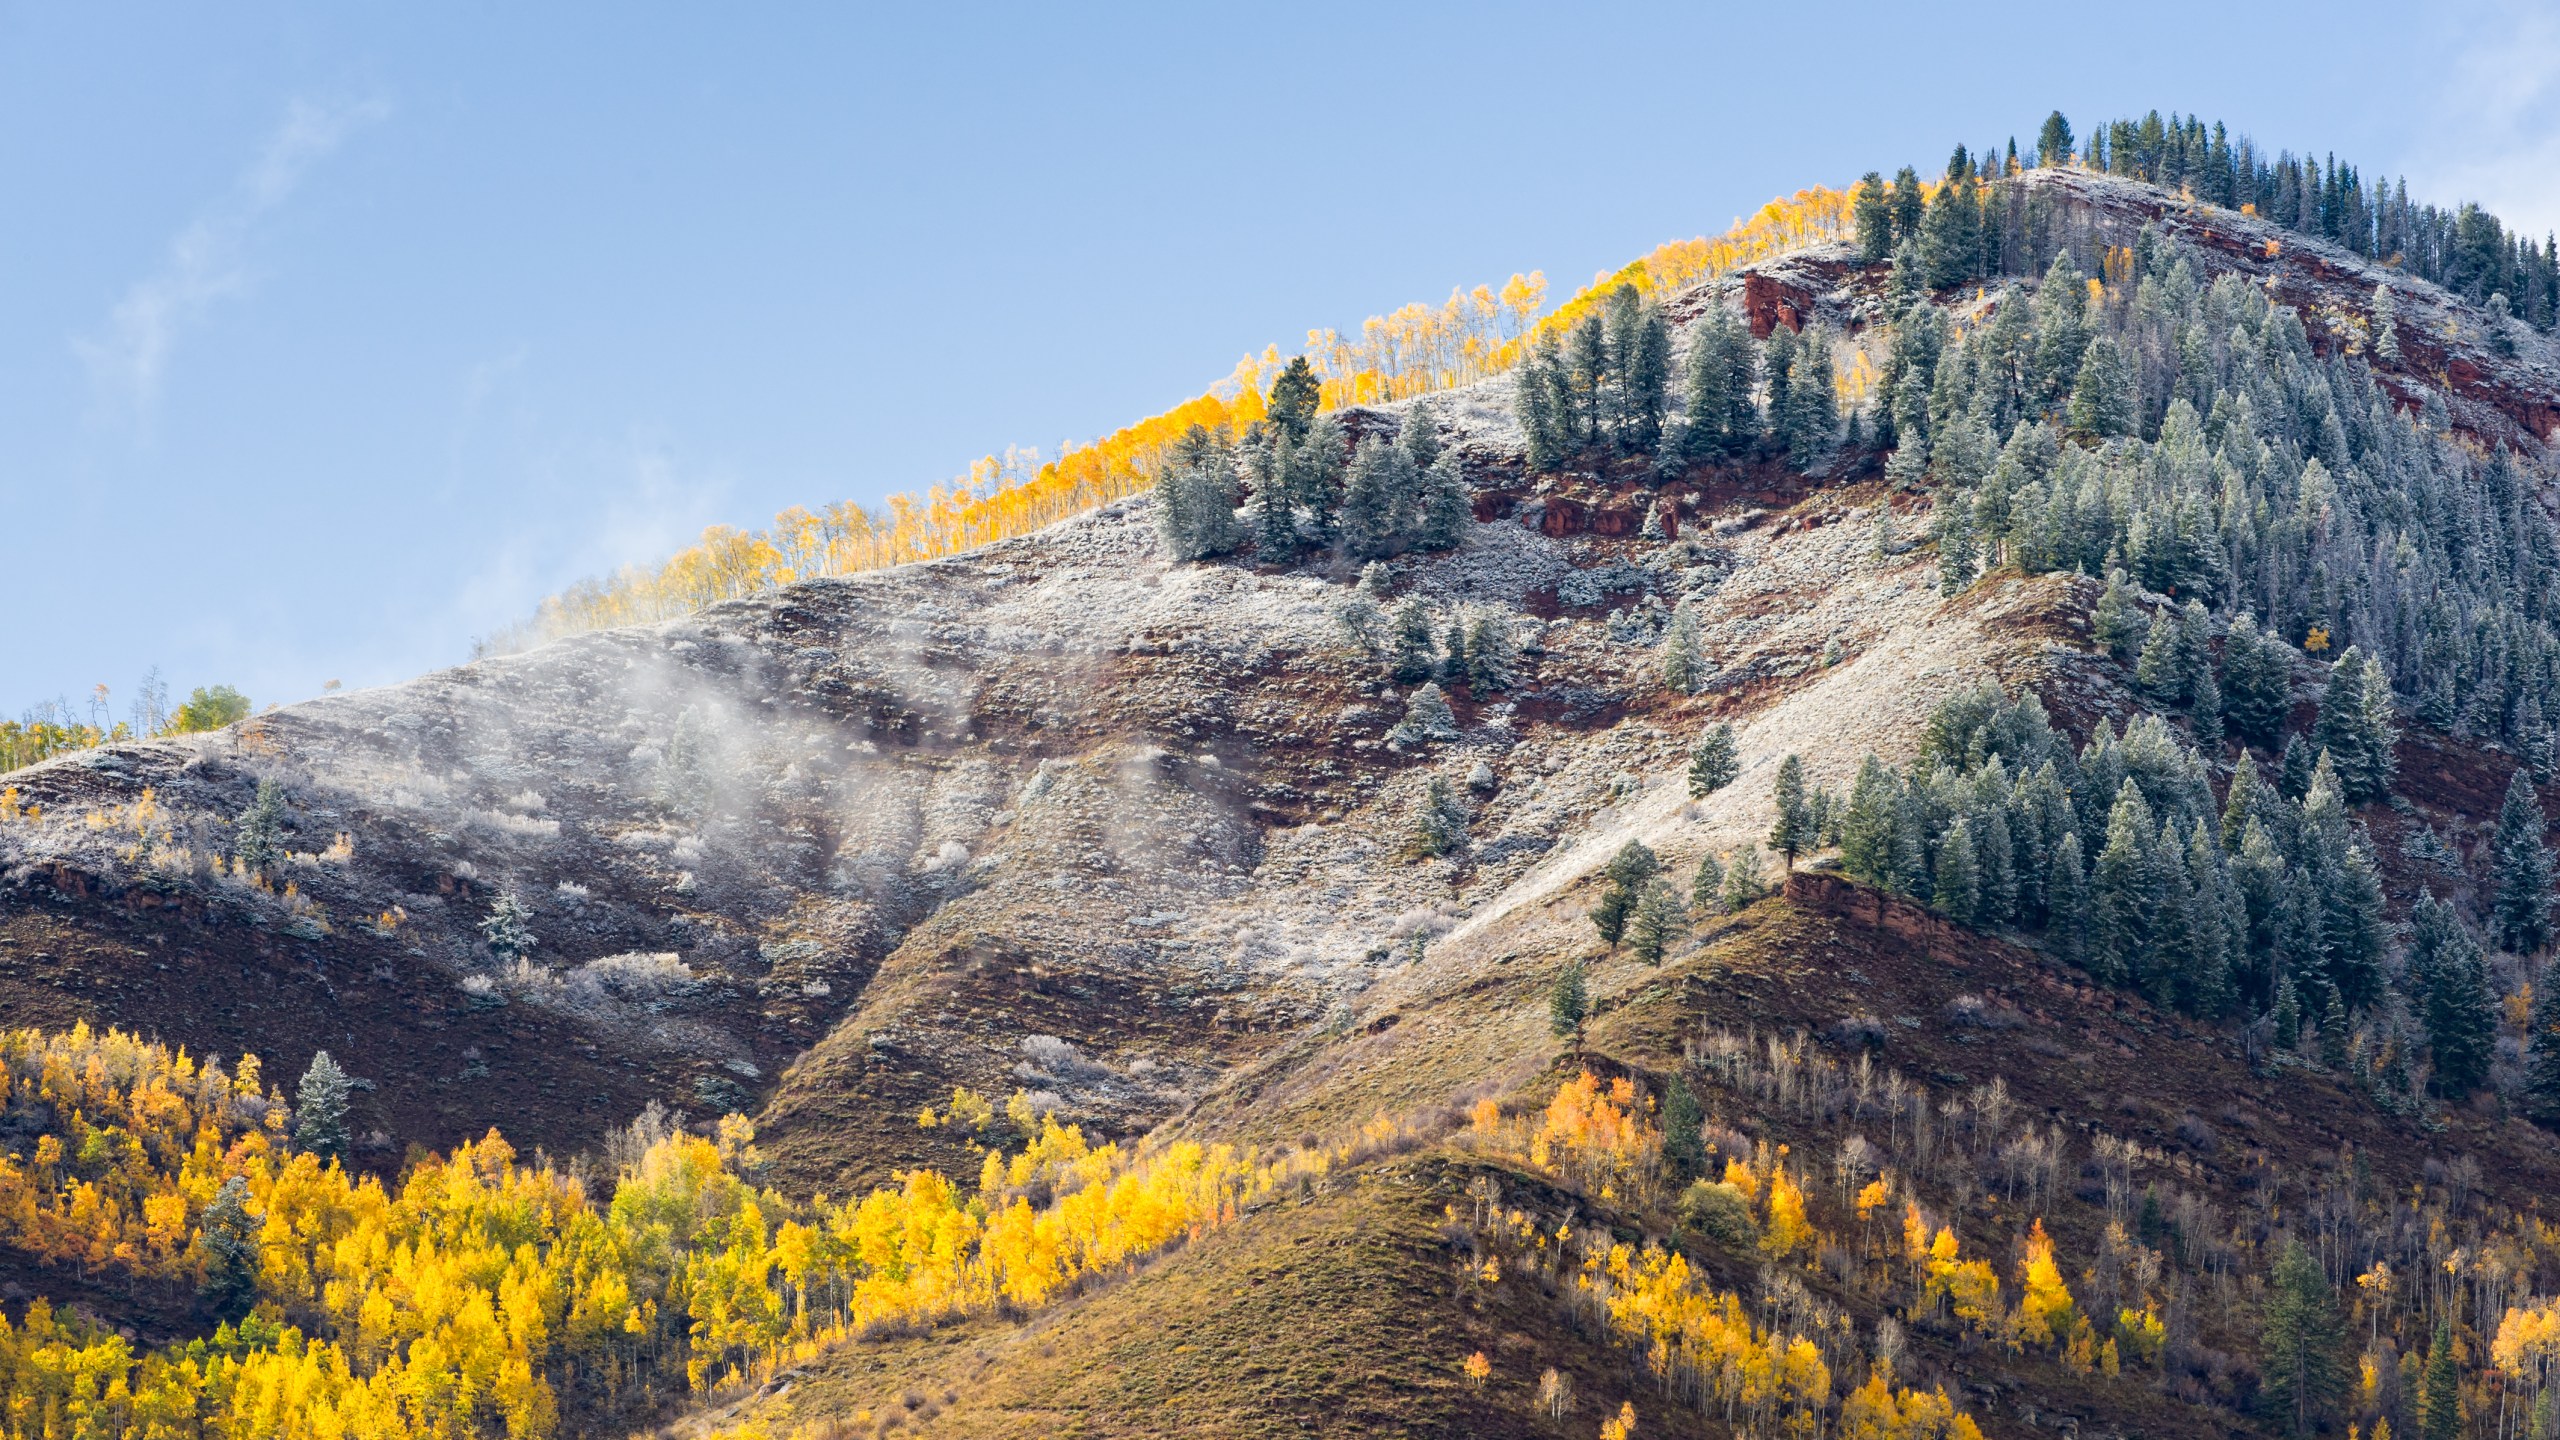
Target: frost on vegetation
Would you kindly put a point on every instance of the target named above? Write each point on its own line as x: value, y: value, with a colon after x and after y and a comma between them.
x: 1054, y: 1063
x: 1427, y: 718
x: 572, y: 892
x: 950, y: 855
x: 507, y: 822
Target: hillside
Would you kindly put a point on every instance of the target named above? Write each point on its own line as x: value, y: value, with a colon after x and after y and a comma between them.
x: 1178, y: 852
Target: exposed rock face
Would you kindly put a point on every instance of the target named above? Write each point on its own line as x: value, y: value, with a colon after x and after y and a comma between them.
x: 1057, y: 814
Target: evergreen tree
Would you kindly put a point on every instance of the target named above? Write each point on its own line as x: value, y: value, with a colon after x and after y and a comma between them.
x: 2334, y: 1032
x: 1439, y: 825
x: 1812, y: 420
x: 1275, y: 519
x: 2053, y: 142
x: 508, y: 928
x: 229, y: 1240
x: 1640, y: 347
x: 1568, y: 1004
x: 1378, y: 485
x: 1792, y: 833
x: 2302, y: 1340
x: 1906, y: 205
x: 2342, y: 730
x: 2542, y: 1050
x: 2204, y: 711
x: 1706, y: 887
x: 2066, y: 892
x: 1951, y: 234
x: 1874, y: 219
x: 2257, y: 681
x: 320, y: 1110
x: 1315, y: 476
x: 1294, y: 398
x: 1445, y: 509
x: 1536, y: 384
x: 2386, y: 324
x: 2453, y: 982
x: 2102, y: 396
x: 1744, y: 881
x: 1427, y: 718
x: 2520, y: 916
x: 1657, y: 920
x: 1715, y: 762
x: 1777, y: 367
x: 2288, y: 1012
x: 2162, y: 670
x: 2118, y: 624
x: 2378, y: 724
x: 2124, y: 891
x: 2294, y: 768
x: 1866, y: 829
x: 2440, y: 1403
x: 1683, y: 1124
x: 1957, y: 886
x: 1196, y: 497
x: 261, y: 842
x: 1628, y: 873
x: 1684, y: 658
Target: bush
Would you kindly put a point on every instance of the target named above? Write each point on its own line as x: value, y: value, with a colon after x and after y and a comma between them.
x: 1718, y: 1212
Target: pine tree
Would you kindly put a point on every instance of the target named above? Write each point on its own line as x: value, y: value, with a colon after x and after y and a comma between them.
x: 1874, y: 219
x: 261, y: 842
x: 1445, y: 509
x: 320, y: 1110
x: 2288, y: 1012
x: 2066, y: 898
x: 1706, y: 887
x: 1315, y: 476
x: 1628, y: 872
x: 1659, y: 918
x: 2053, y: 142
x: 2294, y: 768
x: 1683, y: 1121
x: 508, y: 928
x: 1866, y: 828
x: 1957, y: 886
x: 2257, y: 681
x: 2204, y: 712
x: 2440, y: 1405
x: 229, y: 1239
x: 1744, y: 881
x: 1536, y: 383
x: 1792, y: 833
x: 1684, y: 658
x: 1568, y: 1005
x: 1439, y: 825
x: 1427, y: 718
x: 2124, y: 891
x: 2542, y: 1050
x: 2386, y: 324
x: 2520, y: 916
x: 2461, y: 1012
x: 1378, y: 483
x: 2377, y: 724
x: 1715, y: 762
x: 2118, y: 624
x: 1906, y: 205
x: 2102, y: 397
x: 1294, y: 398
x: 2302, y: 1339
x: 2334, y: 1032
x: 2341, y: 729
x: 1196, y: 497
x: 1275, y: 519
x: 2162, y: 670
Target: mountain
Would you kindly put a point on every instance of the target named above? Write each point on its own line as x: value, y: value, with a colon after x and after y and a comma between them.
x: 1271, y: 875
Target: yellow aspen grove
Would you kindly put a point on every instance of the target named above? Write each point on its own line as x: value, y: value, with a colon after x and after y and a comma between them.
x: 471, y: 1296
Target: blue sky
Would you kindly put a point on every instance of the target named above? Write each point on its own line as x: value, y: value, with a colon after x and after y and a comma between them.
x: 334, y: 335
